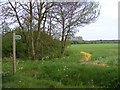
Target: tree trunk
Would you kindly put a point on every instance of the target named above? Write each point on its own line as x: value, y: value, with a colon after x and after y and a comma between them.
x: 32, y: 35
x: 39, y: 9
x: 50, y: 28
x: 44, y: 23
x: 64, y: 40
x: 63, y: 35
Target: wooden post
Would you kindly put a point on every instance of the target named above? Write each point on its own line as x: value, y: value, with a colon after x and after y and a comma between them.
x: 14, y: 54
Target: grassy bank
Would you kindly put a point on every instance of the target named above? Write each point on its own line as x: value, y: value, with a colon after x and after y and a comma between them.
x: 66, y: 72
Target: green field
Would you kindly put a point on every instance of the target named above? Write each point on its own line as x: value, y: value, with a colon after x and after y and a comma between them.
x: 66, y: 72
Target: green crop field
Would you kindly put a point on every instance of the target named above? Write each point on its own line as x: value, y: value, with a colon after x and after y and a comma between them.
x: 66, y: 72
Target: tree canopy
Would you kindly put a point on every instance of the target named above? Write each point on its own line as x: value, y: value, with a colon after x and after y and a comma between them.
x: 58, y: 20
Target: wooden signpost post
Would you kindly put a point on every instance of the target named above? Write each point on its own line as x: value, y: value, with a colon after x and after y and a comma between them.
x: 14, y: 51
x: 14, y: 54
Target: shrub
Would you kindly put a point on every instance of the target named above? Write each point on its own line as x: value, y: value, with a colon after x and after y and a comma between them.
x: 48, y: 47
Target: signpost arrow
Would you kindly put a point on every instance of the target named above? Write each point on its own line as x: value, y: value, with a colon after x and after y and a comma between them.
x: 18, y: 37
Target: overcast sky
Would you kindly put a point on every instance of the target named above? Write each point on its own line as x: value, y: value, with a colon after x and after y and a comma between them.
x: 106, y: 27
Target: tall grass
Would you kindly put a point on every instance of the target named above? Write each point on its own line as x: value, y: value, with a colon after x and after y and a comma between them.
x: 66, y: 72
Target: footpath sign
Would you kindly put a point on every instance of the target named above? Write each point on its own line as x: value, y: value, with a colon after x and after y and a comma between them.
x: 18, y: 37
x: 15, y: 37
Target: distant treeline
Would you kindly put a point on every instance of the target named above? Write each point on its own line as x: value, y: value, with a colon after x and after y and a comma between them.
x: 96, y: 42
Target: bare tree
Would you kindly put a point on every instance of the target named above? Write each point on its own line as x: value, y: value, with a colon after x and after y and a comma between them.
x: 29, y: 16
x: 21, y: 18
x: 69, y: 15
x: 55, y: 18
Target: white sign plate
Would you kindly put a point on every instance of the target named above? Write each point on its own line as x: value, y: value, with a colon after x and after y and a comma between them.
x: 18, y: 37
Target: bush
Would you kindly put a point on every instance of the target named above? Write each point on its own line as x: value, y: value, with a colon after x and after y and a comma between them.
x: 48, y: 47
x: 7, y: 47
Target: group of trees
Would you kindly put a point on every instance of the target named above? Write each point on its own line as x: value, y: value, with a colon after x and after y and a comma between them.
x: 36, y: 20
